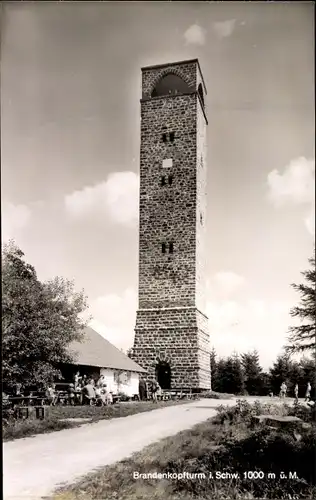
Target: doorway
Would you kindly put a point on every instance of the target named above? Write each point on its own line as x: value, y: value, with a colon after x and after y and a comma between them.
x: 163, y: 374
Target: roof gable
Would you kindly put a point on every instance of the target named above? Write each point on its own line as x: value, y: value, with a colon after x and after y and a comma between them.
x: 95, y: 350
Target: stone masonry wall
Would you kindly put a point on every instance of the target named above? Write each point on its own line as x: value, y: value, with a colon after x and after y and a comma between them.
x: 178, y: 336
x: 169, y: 324
x: 168, y: 213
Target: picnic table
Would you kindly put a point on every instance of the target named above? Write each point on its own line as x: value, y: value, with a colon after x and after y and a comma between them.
x: 26, y: 400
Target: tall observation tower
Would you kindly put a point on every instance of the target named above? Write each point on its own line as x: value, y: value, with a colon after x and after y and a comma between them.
x: 171, y: 334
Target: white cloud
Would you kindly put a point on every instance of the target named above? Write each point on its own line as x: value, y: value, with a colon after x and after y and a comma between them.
x: 14, y: 219
x: 228, y: 282
x: 246, y: 325
x: 310, y: 221
x: 114, y: 317
x: 195, y: 35
x: 295, y: 185
x: 224, y: 29
x: 118, y: 197
x: 234, y: 325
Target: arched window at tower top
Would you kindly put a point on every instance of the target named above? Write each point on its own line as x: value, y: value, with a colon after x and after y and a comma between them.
x: 170, y: 84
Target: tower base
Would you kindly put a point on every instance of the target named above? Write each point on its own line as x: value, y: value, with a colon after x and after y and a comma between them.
x: 172, y: 345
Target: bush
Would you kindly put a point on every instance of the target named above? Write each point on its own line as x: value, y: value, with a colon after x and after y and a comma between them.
x: 216, y: 395
x: 244, y: 411
x: 306, y: 413
x: 123, y: 397
x: 22, y: 428
x: 265, y: 450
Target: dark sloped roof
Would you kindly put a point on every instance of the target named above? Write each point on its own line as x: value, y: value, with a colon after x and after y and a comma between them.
x: 95, y: 350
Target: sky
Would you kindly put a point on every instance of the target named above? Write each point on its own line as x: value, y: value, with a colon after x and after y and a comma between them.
x: 70, y: 136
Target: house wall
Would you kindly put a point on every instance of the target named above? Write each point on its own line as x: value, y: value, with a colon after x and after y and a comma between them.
x: 118, y: 381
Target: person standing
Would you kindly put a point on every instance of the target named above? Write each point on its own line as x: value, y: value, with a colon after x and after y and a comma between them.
x: 283, y: 390
x: 71, y: 394
x: 77, y: 379
x: 154, y: 390
x: 88, y: 392
x: 308, y: 392
x: 142, y: 389
x: 51, y: 394
x: 101, y: 381
x: 296, y: 393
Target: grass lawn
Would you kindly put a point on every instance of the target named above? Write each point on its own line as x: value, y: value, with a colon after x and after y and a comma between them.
x: 56, y: 415
x: 223, y: 444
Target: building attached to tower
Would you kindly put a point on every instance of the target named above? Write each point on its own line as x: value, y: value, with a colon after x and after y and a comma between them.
x: 171, y: 334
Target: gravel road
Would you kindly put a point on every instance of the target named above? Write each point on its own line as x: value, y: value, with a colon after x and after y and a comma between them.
x: 34, y: 466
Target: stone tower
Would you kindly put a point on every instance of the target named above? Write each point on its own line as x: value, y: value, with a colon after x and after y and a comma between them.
x: 171, y: 334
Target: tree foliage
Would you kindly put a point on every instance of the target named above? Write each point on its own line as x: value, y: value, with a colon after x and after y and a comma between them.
x: 292, y: 372
x: 302, y: 338
x: 236, y: 374
x: 253, y: 372
x: 280, y: 372
x: 227, y: 374
x: 39, y: 321
x: 213, y: 368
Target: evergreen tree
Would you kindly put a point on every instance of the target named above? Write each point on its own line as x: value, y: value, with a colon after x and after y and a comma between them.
x: 238, y: 375
x: 252, y: 371
x: 295, y: 376
x: 213, y: 368
x: 218, y: 384
x: 265, y: 384
x: 308, y: 374
x: 232, y: 376
x: 302, y: 338
x: 280, y: 372
x: 39, y: 321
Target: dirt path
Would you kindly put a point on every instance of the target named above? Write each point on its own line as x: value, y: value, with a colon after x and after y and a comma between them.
x: 33, y: 467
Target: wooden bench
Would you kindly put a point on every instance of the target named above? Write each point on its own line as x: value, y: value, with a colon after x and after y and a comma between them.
x: 175, y: 394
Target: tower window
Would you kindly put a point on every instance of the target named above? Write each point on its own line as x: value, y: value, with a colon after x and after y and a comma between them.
x: 170, y: 177
x: 170, y: 247
x: 164, y: 137
x: 171, y: 136
x: 201, y: 218
x: 167, y: 163
x: 200, y: 92
x: 170, y: 84
x: 163, y: 181
x: 163, y: 247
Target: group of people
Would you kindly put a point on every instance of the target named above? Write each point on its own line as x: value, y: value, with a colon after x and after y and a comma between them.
x: 283, y: 391
x: 82, y: 391
x: 149, y: 390
x: 92, y: 392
